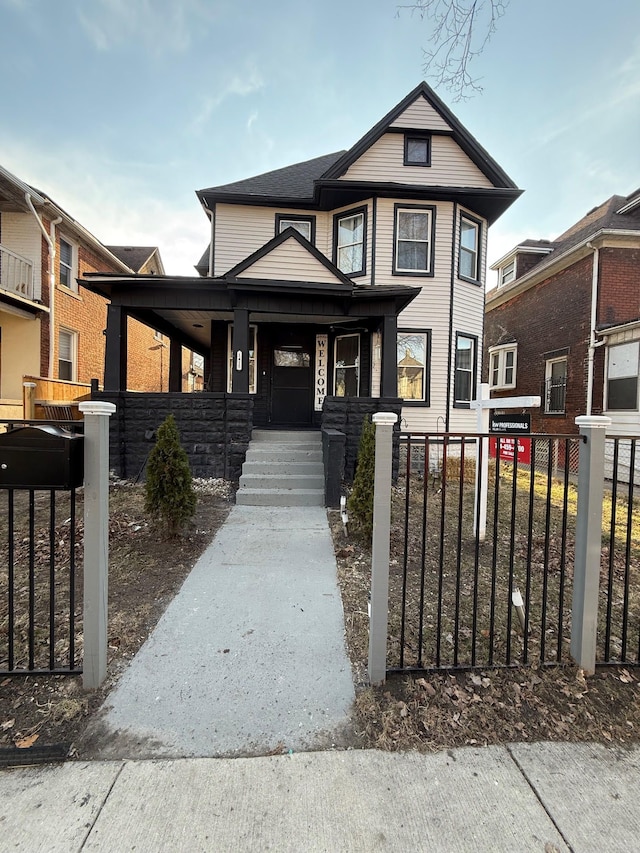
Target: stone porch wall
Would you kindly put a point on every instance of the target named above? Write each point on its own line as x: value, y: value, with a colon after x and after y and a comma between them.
x: 215, y: 429
x: 346, y: 414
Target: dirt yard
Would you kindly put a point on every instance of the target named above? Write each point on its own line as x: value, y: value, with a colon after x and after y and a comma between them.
x: 423, y: 712
x: 487, y: 706
x: 145, y: 572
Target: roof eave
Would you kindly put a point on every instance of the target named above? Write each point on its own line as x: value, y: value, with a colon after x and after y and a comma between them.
x: 554, y: 263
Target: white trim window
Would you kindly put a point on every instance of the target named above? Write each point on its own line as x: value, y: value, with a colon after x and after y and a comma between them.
x: 412, y: 248
x: 469, y: 251
x: 346, y: 370
x: 555, y: 385
x: 67, y: 266
x: 350, y: 243
x: 623, y: 361
x: 67, y: 355
x: 502, y: 366
x: 253, y: 358
x: 507, y: 273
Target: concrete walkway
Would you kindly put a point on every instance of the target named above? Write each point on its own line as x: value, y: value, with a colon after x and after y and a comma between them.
x: 248, y: 658
x: 543, y: 798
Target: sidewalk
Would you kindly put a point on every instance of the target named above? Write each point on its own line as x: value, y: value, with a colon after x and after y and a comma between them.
x: 541, y: 797
x: 248, y: 658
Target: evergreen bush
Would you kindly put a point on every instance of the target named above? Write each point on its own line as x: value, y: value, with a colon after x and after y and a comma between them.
x: 169, y: 494
x: 360, y: 503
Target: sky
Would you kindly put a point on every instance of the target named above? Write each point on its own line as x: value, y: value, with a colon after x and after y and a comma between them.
x: 120, y: 110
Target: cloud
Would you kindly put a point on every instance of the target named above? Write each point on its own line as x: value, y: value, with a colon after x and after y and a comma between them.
x: 160, y: 26
x: 239, y: 85
x: 116, y: 202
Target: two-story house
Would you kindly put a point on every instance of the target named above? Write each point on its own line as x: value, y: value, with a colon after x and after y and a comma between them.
x: 52, y: 328
x: 340, y: 284
x: 564, y: 321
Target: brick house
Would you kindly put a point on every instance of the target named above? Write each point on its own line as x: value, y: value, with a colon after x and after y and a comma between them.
x: 564, y: 321
x: 52, y: 327
x: 329, y: 288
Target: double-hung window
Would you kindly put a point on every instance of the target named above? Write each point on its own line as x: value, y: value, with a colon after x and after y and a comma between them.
x: 349, y: 242
x: 502, y: 366
x: 67, y: 355
x: 555, y: 385
x: 507, y: 273
x: 413, y: 240
x: 465, y: 370
x: 622, y: 376
x: 67, y: 278
x: 413, y: 350
x: 469, y: 250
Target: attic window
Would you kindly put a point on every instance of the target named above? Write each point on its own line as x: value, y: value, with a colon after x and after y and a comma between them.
x: 417, y: 150
x: 507, y: 273
x: 305, y: 225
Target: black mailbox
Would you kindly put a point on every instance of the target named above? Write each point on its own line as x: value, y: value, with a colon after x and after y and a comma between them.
x: 41, y: 457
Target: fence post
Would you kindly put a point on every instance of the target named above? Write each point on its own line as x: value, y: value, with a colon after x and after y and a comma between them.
x: 384, y: 422
x: 96, y: 539
x: 29, y: 400
x: 586, y: 574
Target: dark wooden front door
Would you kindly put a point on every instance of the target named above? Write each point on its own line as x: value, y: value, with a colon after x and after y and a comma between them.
x: 292, y: 379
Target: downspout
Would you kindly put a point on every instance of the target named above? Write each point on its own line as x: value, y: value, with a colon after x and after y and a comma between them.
x: 593, y: 343
x: 212, y: 217
x: 51, y: 243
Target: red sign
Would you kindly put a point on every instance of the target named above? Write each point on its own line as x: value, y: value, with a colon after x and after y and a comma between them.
x: 507, y: 448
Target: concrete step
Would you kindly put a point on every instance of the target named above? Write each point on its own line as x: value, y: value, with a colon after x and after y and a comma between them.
x: 283, y: 455
x: 261, y: 466
x: 282, y: 468
x: 288, y: 436
x: 280, y: 497
x: 280, y: 480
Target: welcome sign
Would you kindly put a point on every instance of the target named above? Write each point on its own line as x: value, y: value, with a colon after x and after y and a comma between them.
x: 322, y: 346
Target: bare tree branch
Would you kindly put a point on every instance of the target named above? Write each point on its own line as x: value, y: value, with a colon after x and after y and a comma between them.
x: 460, y: 32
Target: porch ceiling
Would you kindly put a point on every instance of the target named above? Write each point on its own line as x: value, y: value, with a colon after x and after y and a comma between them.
x: 196, y: 324
x: 188, y: 305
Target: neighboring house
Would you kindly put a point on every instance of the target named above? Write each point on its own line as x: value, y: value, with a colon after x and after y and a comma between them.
x: 333, y: 285
x: 564, y: 321
x: 50, y: 326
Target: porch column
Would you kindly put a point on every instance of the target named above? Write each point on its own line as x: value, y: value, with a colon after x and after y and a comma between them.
x: 175, y: 365
x: 240, y: 374
x: 115, y: 354
x: 389, y: 379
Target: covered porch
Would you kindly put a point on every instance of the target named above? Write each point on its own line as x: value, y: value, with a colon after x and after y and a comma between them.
x: 301, y: 355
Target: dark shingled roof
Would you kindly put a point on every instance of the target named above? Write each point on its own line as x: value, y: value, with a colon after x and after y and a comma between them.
x: 603, y: 216
x: 290, y: 182
x: 135, y: 257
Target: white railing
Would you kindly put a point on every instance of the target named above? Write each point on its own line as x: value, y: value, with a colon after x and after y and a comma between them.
x: 16, y: 273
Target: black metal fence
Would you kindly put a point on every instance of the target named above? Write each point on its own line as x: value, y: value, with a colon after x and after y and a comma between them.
x: 619, y: 614
x: 469, y: 593
x: 40, y: 578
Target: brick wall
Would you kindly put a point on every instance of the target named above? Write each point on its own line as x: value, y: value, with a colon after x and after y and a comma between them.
x: 619, y: 290
x: 85, y: 313
x: 548, y: 317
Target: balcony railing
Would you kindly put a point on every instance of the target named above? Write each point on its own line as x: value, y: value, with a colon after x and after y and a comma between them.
x: 16, y: 273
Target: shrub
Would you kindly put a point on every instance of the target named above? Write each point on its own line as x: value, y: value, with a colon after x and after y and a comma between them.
x: 360, y: 503
x: 169, y: 494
